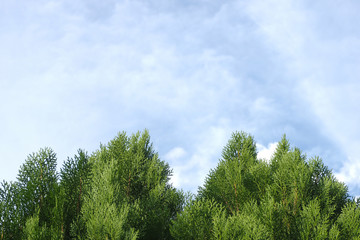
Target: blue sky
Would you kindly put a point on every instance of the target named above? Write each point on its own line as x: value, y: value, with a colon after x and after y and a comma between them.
x: 74, y: 73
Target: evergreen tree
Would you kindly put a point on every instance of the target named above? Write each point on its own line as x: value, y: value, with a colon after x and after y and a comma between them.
x: 242, y: 225
x: 32, y: 204
x: 122, y: 191
x: 348, y: 222
x: 104, y: 219
x: 282, y: 148
x: 32, y: 230
x: 75, y: 177
x: 10, y: 215
x: 239, y: 176
x: 288, y: 198
x: 37, y: 181
x: 197, y: 220
x: 136, y: 185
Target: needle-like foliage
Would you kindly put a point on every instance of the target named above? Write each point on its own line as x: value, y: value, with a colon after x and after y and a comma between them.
x: 122, y: 191
x: 289, y: 197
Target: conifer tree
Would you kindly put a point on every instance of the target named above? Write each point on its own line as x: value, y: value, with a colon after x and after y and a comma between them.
x: 137, y: 188
x: 239, y: 176
x: 39, y: 192
x: 197, y: 220
x: 32, y: 230
x: 104, y: 219
x: 75, y: 178
x: 122, y: 191
x: 37, y: 181
x: 288, y: 198
x: 282, y: 148
x: 348, y: 222
x: 10, y: 215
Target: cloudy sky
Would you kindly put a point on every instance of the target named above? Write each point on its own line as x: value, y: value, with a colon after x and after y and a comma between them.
x: 75, y: 73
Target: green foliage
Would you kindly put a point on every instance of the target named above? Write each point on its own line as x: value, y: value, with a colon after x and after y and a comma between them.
x: 37, y: 181
x: 32, y: 229
x: 135, y: 185
x: 197, y: 220
x: 104, y: 220
x: 10, y: 211
x: 349, y: 221
x: 32, y: 205
x: 282, y: 148
x: 245, y: 225
x: 75, y: 178
x: 122, y: 191
x: 233, y: 182
x: 313, y: 224
x: 287, y: 198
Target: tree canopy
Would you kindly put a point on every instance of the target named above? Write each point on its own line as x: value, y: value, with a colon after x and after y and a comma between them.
x: 122, y: 191
x: 288, y: 197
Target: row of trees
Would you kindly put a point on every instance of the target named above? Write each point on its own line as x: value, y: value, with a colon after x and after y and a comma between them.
x: 122, y: 191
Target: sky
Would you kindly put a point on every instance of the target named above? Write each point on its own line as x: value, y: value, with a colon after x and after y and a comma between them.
x: 75, y: 73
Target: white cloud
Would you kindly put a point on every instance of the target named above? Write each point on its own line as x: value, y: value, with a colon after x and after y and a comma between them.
x: 191, y: 168
x: 75, y: 73
x: 349, y: 174
x: 175, y: 154
x: 266, y: 152
x: 323, y: 60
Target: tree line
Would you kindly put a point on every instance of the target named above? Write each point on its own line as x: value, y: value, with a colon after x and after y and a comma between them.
x: 122, y: 191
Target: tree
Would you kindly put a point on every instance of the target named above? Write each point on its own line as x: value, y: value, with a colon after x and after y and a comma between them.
x: 137, y: 187
x: 288, y: 198
x: 348, y: 222
x: 10, y: 215
x: 122, y: 191
x: 37, y: 180
x: 197, y: 220
x: 75, y: 177
x: 32, y: 230
x: 105, y: 219
x: 244, y: 225
x: 239, y: 176
x: 39, y: 196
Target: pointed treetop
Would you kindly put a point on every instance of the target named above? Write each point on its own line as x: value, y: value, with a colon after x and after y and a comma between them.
x: 282, y: 147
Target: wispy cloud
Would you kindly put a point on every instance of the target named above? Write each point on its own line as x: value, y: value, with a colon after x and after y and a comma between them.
x: 323, y: 62
x: 76, y: 72
x: 190, y: 170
